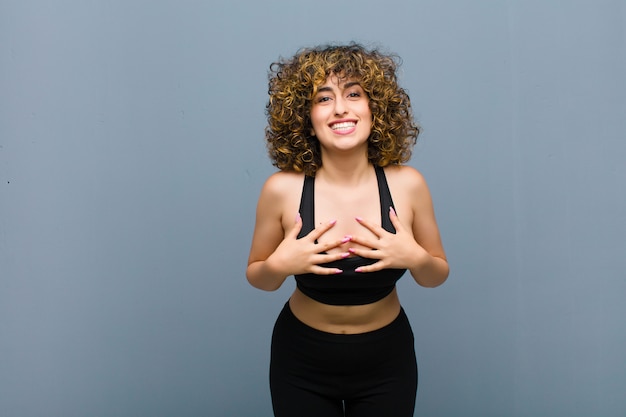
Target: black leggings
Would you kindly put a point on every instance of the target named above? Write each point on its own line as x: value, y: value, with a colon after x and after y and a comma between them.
x: 319, y: 374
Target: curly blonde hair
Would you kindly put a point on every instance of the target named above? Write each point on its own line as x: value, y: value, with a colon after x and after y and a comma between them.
x: 293, y: 83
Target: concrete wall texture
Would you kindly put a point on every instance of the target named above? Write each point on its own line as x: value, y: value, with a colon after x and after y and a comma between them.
x: 132, y: 154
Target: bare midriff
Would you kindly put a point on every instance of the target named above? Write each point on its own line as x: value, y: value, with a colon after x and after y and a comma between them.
x: 345, y: 319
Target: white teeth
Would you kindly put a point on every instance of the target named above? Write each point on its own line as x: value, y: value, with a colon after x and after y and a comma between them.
x: 344, y: 125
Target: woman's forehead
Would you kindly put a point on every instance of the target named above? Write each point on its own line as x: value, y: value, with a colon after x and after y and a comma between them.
x: 338, y: 79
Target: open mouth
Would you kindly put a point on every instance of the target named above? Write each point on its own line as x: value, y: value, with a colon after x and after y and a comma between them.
x: 343, y: 126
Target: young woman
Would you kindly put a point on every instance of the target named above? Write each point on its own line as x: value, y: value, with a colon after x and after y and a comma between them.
x: 347, y: 219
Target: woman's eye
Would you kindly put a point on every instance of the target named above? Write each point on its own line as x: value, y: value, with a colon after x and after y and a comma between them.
x: 323, y: 99
x: 354, y: 94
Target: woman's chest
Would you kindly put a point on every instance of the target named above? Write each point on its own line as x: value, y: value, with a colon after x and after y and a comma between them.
x: 345, y: 209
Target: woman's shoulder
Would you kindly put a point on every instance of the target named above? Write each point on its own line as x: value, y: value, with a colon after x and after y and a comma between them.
x: 408, y: 188
x: 405, y: 176
x: 282, y: 182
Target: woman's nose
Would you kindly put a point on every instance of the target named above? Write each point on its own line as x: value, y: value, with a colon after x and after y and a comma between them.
x: 340, y: 106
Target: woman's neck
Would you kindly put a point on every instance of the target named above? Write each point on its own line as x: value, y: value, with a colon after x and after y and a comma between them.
x: 344, y: 170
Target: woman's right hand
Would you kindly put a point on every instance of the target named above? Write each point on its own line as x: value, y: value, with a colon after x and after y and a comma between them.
x: 295, y: 256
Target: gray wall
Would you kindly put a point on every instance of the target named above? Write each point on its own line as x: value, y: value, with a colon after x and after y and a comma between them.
x: 132, y: 155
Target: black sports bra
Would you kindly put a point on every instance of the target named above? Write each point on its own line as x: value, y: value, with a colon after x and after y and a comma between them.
x: 349, y: 287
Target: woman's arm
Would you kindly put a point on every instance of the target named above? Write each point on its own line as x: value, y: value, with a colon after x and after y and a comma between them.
x: 276, y: 252
x: 268, y: 234
x: 431, y: 268
x: 416, y: 245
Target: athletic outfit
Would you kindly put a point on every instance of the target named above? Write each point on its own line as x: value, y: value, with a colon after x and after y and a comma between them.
x: 320, y: 374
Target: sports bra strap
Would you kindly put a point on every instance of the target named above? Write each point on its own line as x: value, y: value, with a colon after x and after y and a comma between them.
x: 307, y: 203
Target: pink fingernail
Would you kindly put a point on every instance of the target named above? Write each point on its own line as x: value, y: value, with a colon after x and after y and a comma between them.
x: 358, y: 219
x: 358, y: 269
x: 345, y: 254
x: 332, y: 221
x: 338, y: 271
x: 297, y: 217
x: 392, y: 210
x: 346, y: 239
x: 351, y: 250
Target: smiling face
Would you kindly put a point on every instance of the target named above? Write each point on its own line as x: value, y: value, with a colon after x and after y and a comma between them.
x: 340, y: 115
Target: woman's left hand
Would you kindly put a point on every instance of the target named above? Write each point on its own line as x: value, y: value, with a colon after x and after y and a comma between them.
x: 399, y: 250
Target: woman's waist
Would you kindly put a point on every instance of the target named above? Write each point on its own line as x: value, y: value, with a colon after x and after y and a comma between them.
x: 345, y: 319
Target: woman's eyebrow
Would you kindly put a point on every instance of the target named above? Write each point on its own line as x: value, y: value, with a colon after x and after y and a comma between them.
x: 345, y: 86
x: 324, y: 88
x: 351, y: 84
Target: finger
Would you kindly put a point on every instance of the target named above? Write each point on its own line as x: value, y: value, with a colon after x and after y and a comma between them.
x: 374, y: 228
x: 331, y: 245
x: 320, y: 230
x: 295, y: 230
x: 320, y: 270
x: 366, y: 253
x: 395, y: 221
x: 363, y: 241
x: 377, y: 266
x: 330, y: 257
